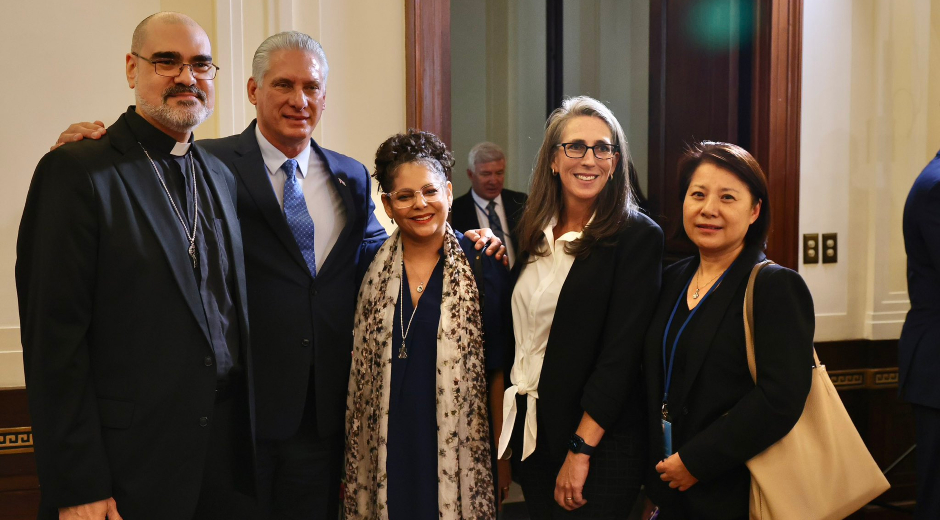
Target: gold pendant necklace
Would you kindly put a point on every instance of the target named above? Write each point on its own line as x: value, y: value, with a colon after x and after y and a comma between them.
x: 697, y: 278
x: 403, y: 350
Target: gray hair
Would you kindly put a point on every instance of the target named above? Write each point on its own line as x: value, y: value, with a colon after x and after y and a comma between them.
x: 483, y: 153
x: 286, y: 41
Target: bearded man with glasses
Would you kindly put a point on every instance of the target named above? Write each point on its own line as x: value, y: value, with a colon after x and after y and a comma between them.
x: 133, y: 309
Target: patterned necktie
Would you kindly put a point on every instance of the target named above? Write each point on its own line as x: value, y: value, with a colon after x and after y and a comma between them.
x: 495, y: 223
x: 298, y: 217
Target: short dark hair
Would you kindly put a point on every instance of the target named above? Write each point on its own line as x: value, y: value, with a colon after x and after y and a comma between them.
x: 413, y: 146
x: 740, y: 163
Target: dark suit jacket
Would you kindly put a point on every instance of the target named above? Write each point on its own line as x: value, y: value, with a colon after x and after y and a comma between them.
x: 464, y: 213
x: 720, y: 419
x: 592, y: 359
x: 297, y: 321
x: 919, y: 347
x: 115, y: 340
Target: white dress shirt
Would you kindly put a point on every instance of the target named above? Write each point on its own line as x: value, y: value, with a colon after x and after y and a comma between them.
x: 533, y: 308
x: 484, y: 220
x: 324, y: 203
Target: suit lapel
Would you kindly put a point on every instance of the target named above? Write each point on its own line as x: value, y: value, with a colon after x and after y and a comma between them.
x: 142, y: 184
x: 340, y: 181
x: 250, y: 168
x: 709, y: 317
x: 221, y: 191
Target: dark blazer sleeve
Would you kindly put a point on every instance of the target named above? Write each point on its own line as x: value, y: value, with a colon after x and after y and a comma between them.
x: 929, y: 224
x: 783, y: 349
x: 374, y: 231
x: 55, y: 281
x: 496, y: 285
x: 635, y: 284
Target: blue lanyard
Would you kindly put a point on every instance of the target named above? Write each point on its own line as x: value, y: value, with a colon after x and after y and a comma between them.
x: 672, y: 359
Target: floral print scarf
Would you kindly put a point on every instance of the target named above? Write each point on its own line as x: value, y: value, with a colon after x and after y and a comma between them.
x: 465, y: 480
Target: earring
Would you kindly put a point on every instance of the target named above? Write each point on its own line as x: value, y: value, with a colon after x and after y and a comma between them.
x: 554, y: 173
x: 393, y: 221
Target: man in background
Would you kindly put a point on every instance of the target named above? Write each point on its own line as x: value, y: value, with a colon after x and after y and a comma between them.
x: 919, y: 346
x: 131, y: 288
x: 488, y: 204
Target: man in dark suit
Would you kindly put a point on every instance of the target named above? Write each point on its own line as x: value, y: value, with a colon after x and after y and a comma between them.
x: 302, y: 285
x: 919, y: 346
x: 487, y: 204
x: 130, y: 280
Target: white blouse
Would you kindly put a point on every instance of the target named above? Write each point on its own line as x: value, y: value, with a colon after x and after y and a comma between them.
x: 533, y: 308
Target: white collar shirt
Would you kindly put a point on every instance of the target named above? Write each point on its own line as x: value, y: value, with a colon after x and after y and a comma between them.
x: 534, y: 300
x: 481, y: 204
x: 324, y: 202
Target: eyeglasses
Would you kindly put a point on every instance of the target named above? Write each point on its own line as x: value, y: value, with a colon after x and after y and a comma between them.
x: 579, y: 150
x: 173, y: 68
x: 402, y: 199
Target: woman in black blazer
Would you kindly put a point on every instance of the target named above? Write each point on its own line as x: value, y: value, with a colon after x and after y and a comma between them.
x: 710, y: 409
x: 585, y: 283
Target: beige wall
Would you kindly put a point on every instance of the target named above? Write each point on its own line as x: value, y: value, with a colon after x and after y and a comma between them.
x: 870, y: 81
x: 69, y: 57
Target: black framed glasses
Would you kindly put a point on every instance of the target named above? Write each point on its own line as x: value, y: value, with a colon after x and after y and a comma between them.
x: 173, y: 68
x: 402, y: 199
x: 579, y: 150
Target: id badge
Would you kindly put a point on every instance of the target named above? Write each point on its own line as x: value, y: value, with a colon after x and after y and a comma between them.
x: 667, y: 438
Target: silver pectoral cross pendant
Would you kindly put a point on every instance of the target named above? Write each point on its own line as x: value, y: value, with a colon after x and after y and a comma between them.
x: 192, y: 253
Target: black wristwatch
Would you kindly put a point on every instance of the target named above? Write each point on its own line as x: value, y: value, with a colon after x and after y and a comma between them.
x: 577, y: 445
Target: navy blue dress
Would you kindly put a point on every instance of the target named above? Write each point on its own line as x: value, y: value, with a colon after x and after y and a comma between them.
x: 412, y: 420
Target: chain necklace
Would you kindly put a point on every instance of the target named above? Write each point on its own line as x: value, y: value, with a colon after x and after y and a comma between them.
x: 699, y: 277
x: 403, y: 351
x: 191, y: 237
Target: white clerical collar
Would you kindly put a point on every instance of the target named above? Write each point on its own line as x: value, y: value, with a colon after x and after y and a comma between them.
x: 483, y: 203
x: 180, y: 149
x: 274, y: 158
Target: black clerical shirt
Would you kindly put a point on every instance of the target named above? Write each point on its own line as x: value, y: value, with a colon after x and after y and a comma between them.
x: 213, y: 272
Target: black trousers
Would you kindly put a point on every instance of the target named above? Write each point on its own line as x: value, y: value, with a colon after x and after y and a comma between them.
x: 299, y: 477
x: 927, y: 422
x: 611, y: 488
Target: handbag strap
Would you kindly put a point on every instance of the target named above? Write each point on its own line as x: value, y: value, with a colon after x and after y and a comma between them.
x: 749, y: 321
x: 749, y: 318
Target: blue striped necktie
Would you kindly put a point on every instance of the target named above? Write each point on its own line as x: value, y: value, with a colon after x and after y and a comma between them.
x: 298, y: 217
x: 495, y: 224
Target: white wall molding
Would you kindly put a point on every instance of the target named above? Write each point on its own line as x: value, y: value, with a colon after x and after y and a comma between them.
x: 11, y: 358
x: 230, y: 83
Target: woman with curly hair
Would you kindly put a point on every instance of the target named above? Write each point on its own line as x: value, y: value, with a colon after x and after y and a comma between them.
x: 418, y: 440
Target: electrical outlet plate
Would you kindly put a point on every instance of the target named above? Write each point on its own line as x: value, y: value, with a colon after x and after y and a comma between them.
x: 811, y: 248
x: 830, y: 248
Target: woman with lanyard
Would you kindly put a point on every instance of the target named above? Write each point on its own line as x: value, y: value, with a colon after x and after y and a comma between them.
x: 707, y: 417
x: 587, y: 276
x: 418, y: 440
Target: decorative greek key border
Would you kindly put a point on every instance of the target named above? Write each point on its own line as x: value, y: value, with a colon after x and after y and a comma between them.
x: 16, y: 440
x: 865, y: 378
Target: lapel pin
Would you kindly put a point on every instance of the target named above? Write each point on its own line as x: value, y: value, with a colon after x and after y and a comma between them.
x: 341, y: 181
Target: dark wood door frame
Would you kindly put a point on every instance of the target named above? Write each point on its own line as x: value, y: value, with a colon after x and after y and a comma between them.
x: 427, y: 67
x: 775, y: 107
x: 775, y: 129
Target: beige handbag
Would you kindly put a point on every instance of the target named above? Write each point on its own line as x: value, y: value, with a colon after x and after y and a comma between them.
x: 821, y: 469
